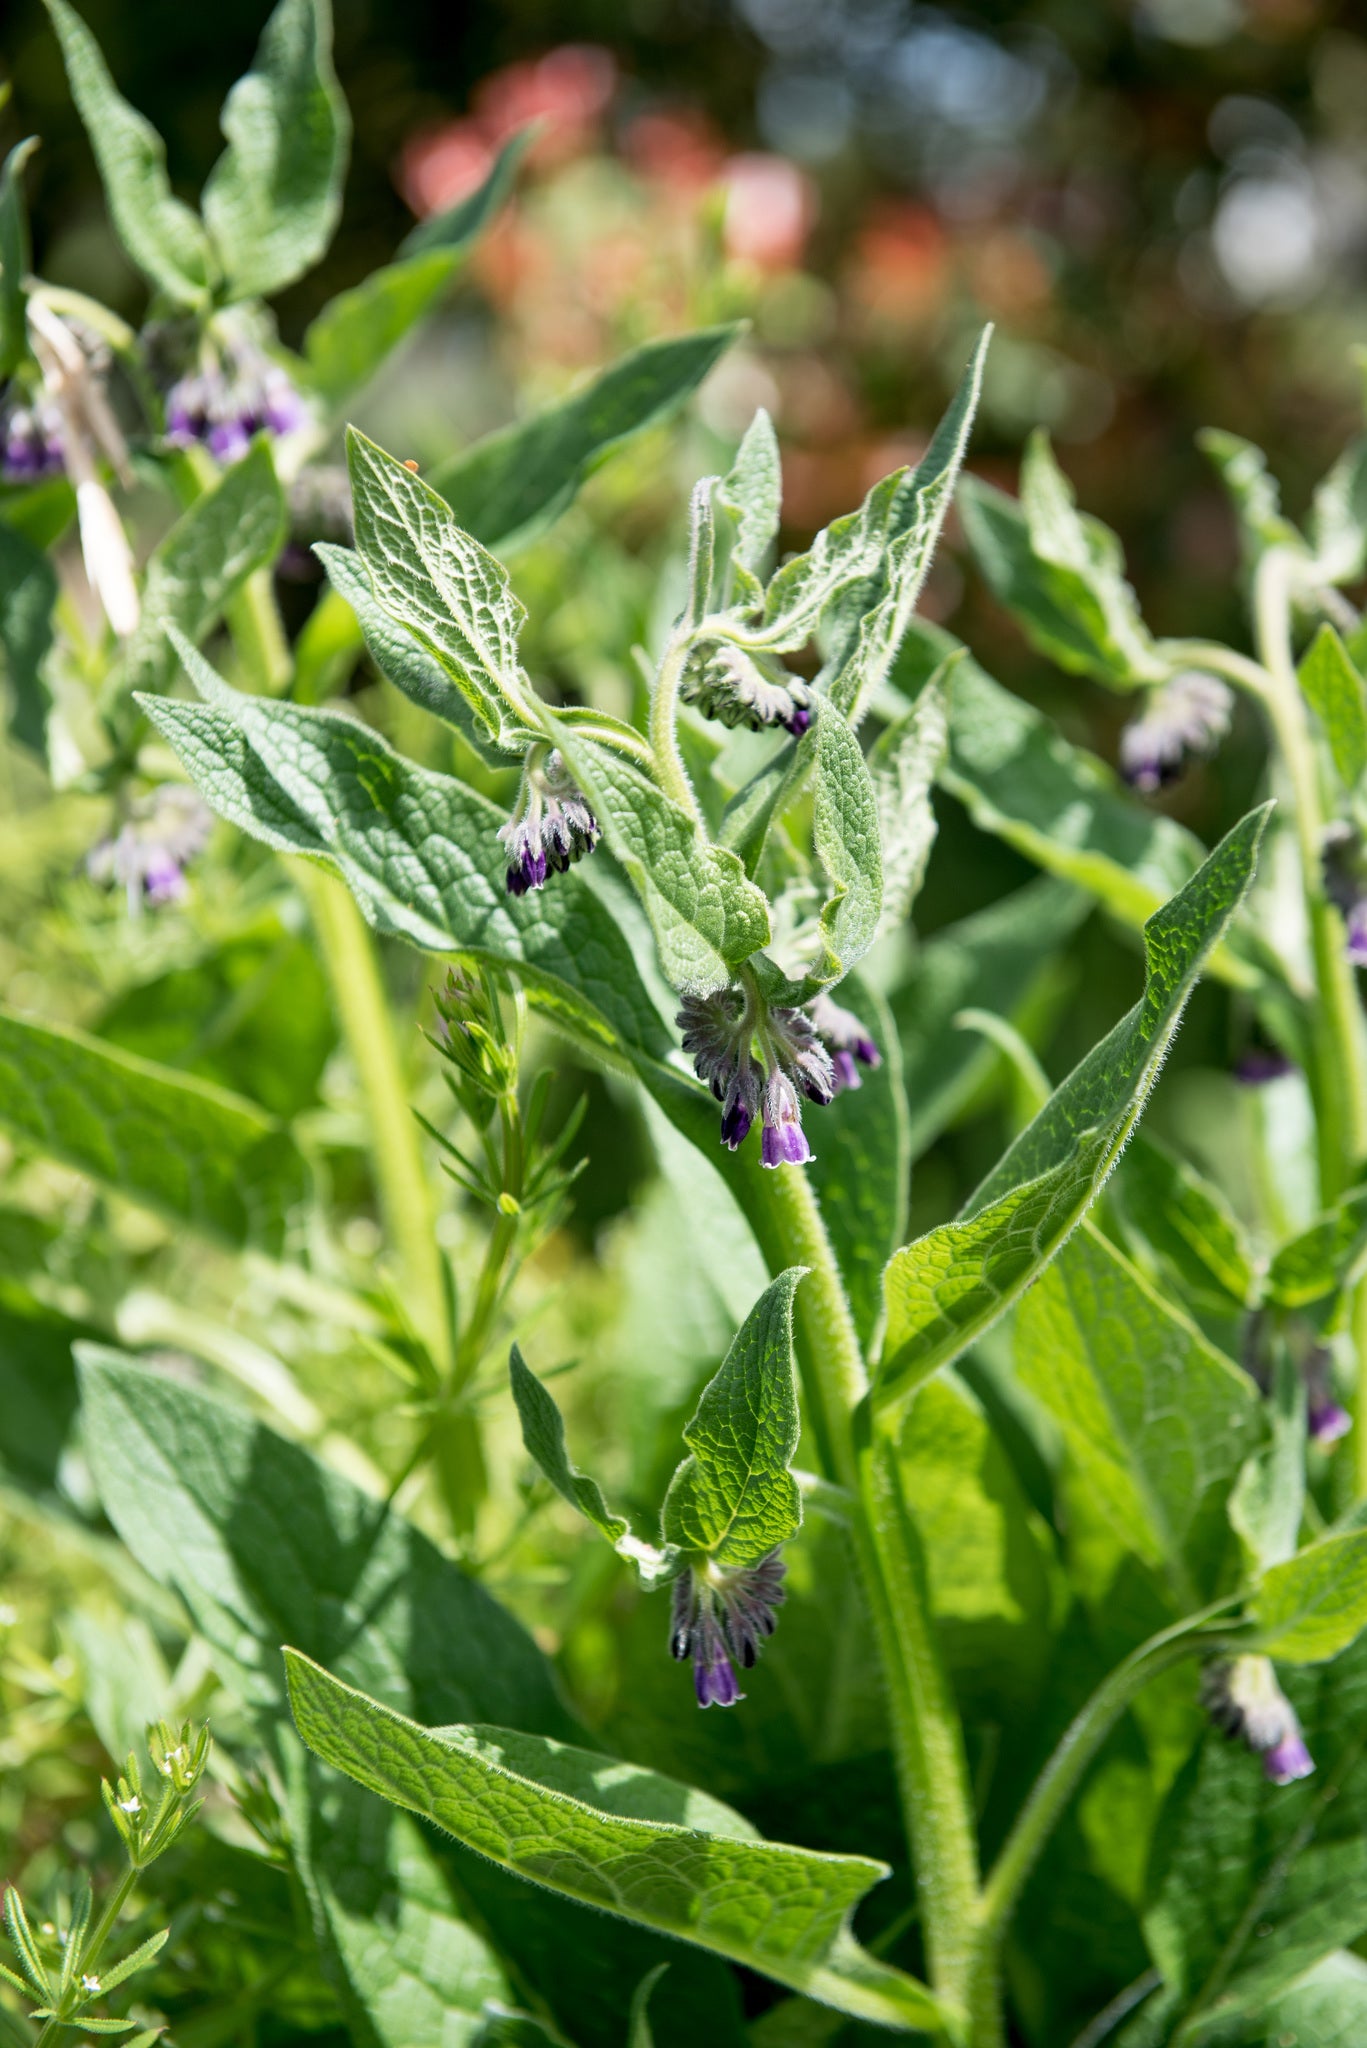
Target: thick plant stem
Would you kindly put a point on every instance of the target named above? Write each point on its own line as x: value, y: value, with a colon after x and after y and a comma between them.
x: 927, y: 1736
x: 362, y: 1009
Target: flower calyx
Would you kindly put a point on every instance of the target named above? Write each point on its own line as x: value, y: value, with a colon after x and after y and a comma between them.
x: 724, y: 682
x: 552, y: 826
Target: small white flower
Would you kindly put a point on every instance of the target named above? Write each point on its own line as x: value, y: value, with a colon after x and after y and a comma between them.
x: 90, y: 1983
x: 132, y: 1804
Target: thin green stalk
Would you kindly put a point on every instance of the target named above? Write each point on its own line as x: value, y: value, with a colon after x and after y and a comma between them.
x: 363, y: 1011
x: 664, y: 738
x: 259, y: 636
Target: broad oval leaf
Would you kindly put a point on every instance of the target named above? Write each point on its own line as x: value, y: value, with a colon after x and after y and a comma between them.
x: 951, y: 1284
x: 557, y: 1818
x: 1313, y: 1606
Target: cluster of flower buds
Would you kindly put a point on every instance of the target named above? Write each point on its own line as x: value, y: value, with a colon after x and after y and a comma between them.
x: 1243, y: 1698
x: 1344, y: 855
x: 759, y: 1060
x: 719, y: 1615
x: 737, y: 688
x: 149, y: 1819
x: 235, y: 391
x: 552, y: 826
x: 30, y: 437
x: 148, y: 855
x: 1184, y: 717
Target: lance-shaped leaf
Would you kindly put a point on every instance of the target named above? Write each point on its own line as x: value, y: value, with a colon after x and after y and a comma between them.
x: 845, y: 831
x: 1062, y: 808
x: 1187, y: 1226
x: 15, y: 259
x: 1157, y: 1419
x: 194, y: 1153
x: 843, y: 555
x: 543, y: 1438
x: 747, y: 507
x: 707, y: 915
x: 418, y: 851
x: 1311, y: 1607
x: 951, y: 1284
x: 1323, y: 1258
x: 1268, y: 1498
x: 164, y: 238
x: 267, y: 1544
x: 512, y: 484
x: 734, y: 1497
x: 877, y: 617
x: 591, y: 1829
x: 904, y: 764
x: 1253, y: 492
x: 28, y: 592
x: 459, y: 225
x: 437, y: 582
x: 354, y: 334
x: 205, y: 559
x: 1061, y: 572
x: 1337, y: 695
x: 1250, y: 1883
x: 272, y: 200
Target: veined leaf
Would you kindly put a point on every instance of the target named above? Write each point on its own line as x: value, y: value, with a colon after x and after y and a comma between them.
x: 272, y: 200
x: 748, y: 504
x: 734, y: 1497
x: 707, y: 915
x: 843, y: 554
x: 1063, y: 809
x: 15, y: 259
x: 1325, y: 1257
x: 194, y: 1153
x: 1313, y: 1606
x: 904, y: 763
x: 348, y: 341
x: 861, y: 1169
x: 565, y: 1818
x: 459, y: 225
x: 1061, y: 572
x: 437, y: 582
x: 201, y: 564
x: 28, y: 592
x: 543, y: 1437
x: 512, y: 484
x: 1337, y: 695
x: 949, y: 1285
x: 1157, y: 1419
x: 210, y: 1502
x: 418, y: 851
x: 1188, y: 1226
x: 845, y: 831
x: 164, y: 238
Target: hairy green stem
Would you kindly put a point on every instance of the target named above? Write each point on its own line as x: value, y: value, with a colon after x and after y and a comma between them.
x: 363, y: 1011
x: 664, y: 739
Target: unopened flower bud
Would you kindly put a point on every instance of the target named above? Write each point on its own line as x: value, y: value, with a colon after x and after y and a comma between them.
x: 845, y: 1039
x: 1189, y: 715
x: 737, y: 688
x: 551, y: 828
x: 1243, y: 1698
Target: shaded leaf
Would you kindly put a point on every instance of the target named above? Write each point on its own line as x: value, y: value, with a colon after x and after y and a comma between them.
x: 1337, y: 695
x: 543, y: 1436
x: 15, y: 257
x: 904, y: 763
x: 1187, y: 1226
x: 861, y: 1169
x: 457, y: 226
x: 1323, y: 1258
x: 28, y: 592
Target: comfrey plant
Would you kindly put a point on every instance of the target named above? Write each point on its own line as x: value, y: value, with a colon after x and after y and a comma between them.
x: 1023, y: 1564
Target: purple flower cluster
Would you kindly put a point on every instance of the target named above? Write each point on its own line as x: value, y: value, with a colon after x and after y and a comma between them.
x: 1187, y: 716
x: 758, y: 1061
x: 227, y: 400
x: 1243, y: 1698
x: 719, y: 1615
x: 727, y: 684
x: 551, y: 829
x: 148, y: 855
x: 31, y: 445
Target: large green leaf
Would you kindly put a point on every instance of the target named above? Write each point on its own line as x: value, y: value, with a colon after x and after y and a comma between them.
x: 1313, y: 1605
x: 734, y: 1497
x: 625, y: 1841
x: 845, y: 831
x: 1061, y: 572
x: 272, y: 200
x: 861, y: 1168
x: 15, y: 258
x: 234, y: 529
x: 904, y: 764
x: 1157, y: 1419
x: 194, y: 1153
x: 348, y: 341
x: 994, y: 961
x: 418, y: 851
x: 515, y: 482
x: 459, y: 225
x: 267, y: 1545
x: 164, y: 238
x: 1250, y: 1884
x: 949, y: 1285
x: 28, y: 592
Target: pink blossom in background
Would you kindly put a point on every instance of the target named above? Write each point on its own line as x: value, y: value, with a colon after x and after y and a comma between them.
x: 770, y: 205
x: 567, y: 92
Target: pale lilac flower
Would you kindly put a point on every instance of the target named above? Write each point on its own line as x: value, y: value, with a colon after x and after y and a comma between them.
x: 845, y: 1039
x: 720, y: 1614
x: 736, y: 688
x: 1243, y: 1698
x: 148, y: 855
x: 551, y: 828
x: 1189, y: 715
x: 235, y: 392
x: 31, y: 445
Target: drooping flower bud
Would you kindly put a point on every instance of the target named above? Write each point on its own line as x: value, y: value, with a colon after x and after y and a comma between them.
x: 845, y: 1039
x: 148, y: 855
x: 30, y: 438
x: 755, y: 1060
x: 1344, y: 856
x: 552, y: 826
x: 719, y: 1615
x: 737, y: 688
x: 1243, y: 1698
x: 1188, y: 715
